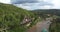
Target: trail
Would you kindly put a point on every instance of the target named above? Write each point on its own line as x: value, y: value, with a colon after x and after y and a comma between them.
x: 40, y: 26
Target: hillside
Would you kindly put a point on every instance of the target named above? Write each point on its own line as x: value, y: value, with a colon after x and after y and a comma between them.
x: 11, y: 17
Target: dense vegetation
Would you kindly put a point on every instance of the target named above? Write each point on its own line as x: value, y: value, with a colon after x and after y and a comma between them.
x: 55, y: 25
x: 11, y: 18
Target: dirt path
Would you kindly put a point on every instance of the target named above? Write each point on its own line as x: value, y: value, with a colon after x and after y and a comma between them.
x: 39, y: 26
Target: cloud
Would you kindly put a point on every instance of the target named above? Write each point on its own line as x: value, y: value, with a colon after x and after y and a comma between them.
x: 35, y: 4
x: 23, y: 1
x: 56, y: 4
x: 32, y: 6
x: 45, y: 4
x: 5, y: 1
x: 24, y: 7
x: 28, y: 1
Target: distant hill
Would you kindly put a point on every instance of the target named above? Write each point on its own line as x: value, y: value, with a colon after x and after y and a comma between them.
x: 49, y: 11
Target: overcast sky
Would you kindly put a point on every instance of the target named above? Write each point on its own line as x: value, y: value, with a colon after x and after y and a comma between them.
x: 34, y: 4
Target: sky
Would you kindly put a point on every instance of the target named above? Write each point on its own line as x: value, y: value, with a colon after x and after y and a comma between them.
x: 34, y: 4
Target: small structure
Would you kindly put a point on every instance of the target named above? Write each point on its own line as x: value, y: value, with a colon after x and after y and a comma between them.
x: 26, y: 20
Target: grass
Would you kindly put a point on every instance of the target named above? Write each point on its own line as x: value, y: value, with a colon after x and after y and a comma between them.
x: 55, y: 26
